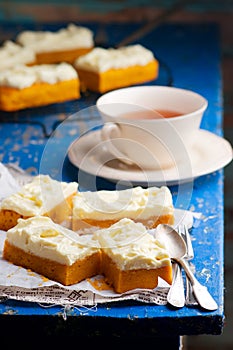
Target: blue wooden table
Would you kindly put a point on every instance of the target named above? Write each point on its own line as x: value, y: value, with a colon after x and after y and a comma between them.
x: 189, y: 56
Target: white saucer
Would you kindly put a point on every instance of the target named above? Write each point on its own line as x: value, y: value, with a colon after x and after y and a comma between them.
x: 211, y: 152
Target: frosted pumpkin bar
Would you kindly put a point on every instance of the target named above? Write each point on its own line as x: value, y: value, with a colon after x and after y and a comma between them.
x: 24, y: 87
x: 42, y: 196
x: 46, y: 248
x: 150, y: 206
x: 63, y: 45
x: 12, y: 54
x: 132, y: 257
x: 106, y: 69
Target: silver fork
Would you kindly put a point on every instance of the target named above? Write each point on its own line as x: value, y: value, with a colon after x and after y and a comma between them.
x: 184, y: 232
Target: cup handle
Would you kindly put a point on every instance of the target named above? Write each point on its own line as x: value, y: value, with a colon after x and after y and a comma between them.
x: 110, y: 131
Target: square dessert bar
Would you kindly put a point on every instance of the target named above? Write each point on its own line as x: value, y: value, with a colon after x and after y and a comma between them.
x: 39, y: 85
x: 63, y: 45
x: 46, y: 248
x: 102, y: 70
x: 131, y: 257
x: 100, y: 209
x: 42, y: 196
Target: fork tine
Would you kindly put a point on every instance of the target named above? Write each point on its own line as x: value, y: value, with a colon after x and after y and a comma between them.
x: 180, y: 230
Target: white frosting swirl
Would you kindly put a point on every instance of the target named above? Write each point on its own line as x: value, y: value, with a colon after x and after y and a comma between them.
x: 72, y: 37
x: 101, y: 60
x: 12, y: 54
x: 42, y: 237
x: 39, y: 196
x: 22, y: 76
x: 135, y: 203
x: 131, y: 247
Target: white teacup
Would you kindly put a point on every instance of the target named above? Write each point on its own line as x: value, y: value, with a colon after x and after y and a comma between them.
x: 151, y: 126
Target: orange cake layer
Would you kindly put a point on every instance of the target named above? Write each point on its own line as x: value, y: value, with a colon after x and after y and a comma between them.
x: 65, y: 274
x: 9, y: 218
x: 40, y: 94
x: 117, y: 78
x: 68, y: 56
x: 124, y: 280
x: 43, y: 196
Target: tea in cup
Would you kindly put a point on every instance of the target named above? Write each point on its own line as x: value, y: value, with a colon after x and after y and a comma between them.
x: 153, y: 127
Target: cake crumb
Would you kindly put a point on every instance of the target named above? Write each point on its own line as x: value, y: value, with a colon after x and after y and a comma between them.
x: 100, y: 284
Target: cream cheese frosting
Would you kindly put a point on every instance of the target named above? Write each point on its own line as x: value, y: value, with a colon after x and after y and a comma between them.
x: 101, y: 60
x: 71, y: 37
x: 131, y: 247
x: 42, y: 237
x: 135, y: 203
x: 12, y: 54
x: 39, y: 196
x: 22, y: 76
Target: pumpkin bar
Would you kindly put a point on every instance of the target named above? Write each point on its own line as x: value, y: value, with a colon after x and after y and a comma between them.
x: 102, y: 69
x: 63, y: 45
x: 100, y: 209
x: 40, y: 85
x: 42, y: 196
x: 131, y: 257
x: 41, y: 245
